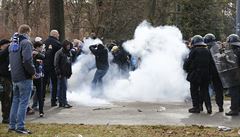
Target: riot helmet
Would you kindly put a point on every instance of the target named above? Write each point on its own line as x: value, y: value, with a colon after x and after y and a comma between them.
x: 197, y: 40
x: 208, y: 38
x: 233, y: 39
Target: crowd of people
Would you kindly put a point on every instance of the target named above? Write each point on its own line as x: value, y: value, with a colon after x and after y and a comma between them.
x: 31, y: 67
x: 216, y: 65
x: 47, y: 64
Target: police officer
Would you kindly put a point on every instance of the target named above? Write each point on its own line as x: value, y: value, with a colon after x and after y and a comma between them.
x: 234, y: 42
x: 198, y: 66
x: 210, y: 40
x: 52, y: 46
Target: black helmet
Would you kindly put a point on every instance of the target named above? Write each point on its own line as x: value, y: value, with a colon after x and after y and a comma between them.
x: 233, y: 39
x: 208, y: 38
x: 197, y: 40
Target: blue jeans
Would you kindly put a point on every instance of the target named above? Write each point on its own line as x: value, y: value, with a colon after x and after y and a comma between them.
x: 62, y: 90
x: 21, y: 94
x: 98, y: 78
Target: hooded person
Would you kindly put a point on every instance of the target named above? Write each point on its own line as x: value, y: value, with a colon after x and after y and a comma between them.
x: 63, y: 68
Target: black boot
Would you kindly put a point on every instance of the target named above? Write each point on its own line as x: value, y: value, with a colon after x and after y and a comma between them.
x: 209, y: 110
x: 232, y: 113
x: 201, y: 108
x: 220, y: 109
x: 194, y: 110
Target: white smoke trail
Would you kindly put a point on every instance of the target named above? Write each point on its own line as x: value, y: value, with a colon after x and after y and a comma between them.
x: 160, y: 76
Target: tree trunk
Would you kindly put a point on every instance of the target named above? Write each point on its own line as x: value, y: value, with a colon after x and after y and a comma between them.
x: 57, y: 17
x: 150, y: 10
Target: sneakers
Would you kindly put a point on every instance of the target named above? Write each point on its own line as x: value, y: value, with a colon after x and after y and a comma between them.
x: 194, y: 110
x: 41, y: 114
x: 20, y: 131
x: 23, y: 131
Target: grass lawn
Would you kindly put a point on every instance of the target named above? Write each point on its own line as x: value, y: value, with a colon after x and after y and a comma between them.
x: 69, y: 130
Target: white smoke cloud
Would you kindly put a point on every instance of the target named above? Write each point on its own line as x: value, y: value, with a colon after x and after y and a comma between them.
x: 160, y: 76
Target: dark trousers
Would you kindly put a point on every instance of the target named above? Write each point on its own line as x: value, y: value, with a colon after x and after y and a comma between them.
x: 235, y: 98
x: 218, y: 88
x: 62, y: 90
x: 50, y: 75
x: 199, y: 93
x: 6, y: 97
x: 39, y: 92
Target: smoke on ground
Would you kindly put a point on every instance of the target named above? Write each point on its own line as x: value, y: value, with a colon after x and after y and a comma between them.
x: 159, y: 77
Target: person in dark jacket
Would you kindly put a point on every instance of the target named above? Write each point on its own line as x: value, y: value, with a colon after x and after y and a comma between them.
x: 52, y: 46
x: 22, y: 72
x: 5, y: 79
x: 198, y: 66
x: 101, y: 57
x: 210, y: 40
x: 63, y: 68
x: 121, y: 58
x: 38, y: 58
x: 233, y: 42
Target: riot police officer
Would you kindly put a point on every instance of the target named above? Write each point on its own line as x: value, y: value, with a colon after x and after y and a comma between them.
x: 234, y: 42
x: 210, y: 40
x: 198, y: 66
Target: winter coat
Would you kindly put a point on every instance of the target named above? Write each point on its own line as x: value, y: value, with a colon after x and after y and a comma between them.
x: 121, y: 58
x: 21, y: 61
x: 101, y: 57
x: 63, y: 63
x: 199, y: 65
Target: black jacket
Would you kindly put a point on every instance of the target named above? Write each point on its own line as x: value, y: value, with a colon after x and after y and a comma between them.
x: 121, y: 58
x: 199, y: 65
x: 37, y: 61
x: 63, y: 63
x: 4, y: 63
x: 101, y: 56
x: 52, y: 46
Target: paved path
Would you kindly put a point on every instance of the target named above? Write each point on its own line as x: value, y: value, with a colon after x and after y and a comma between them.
x: 136, y: 113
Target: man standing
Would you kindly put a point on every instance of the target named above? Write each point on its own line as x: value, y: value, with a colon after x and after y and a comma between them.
x: 5, y: 78
x: 63, y: 68
x: 233, y: 42
x: 211, y: 42
x: 22, y: 72
x: 198, y: 66
x: 101, y: 57
x: 52, y: 46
